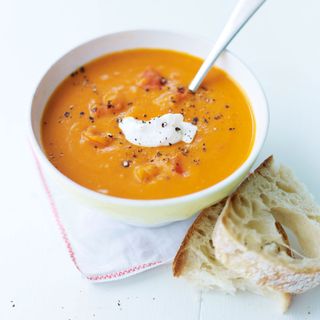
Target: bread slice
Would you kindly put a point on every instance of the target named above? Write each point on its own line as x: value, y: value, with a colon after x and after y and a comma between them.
x: 246, y: 236
x: 196, y: 261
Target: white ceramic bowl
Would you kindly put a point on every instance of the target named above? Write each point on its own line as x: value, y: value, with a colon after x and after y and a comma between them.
x: 149, y: 212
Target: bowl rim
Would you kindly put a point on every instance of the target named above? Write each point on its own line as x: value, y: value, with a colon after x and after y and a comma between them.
x: 243, y: 169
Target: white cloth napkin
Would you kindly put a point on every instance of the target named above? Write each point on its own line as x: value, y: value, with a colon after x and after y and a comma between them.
x: 103, y: 249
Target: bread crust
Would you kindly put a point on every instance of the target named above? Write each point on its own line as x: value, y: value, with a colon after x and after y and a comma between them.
x: 179, y: 262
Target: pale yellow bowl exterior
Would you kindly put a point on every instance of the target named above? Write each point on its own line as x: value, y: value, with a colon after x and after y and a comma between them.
x: 141, y: 215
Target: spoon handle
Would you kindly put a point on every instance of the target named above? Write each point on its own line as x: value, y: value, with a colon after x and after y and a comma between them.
x: 243, y: 11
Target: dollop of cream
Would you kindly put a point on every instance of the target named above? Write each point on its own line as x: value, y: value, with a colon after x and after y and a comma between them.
x: 165, y: 130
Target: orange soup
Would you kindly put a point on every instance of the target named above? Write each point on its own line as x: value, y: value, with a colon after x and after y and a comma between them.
x: 82, y: 138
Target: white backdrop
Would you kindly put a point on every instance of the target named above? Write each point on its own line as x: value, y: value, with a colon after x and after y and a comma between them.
x: 37, y: 278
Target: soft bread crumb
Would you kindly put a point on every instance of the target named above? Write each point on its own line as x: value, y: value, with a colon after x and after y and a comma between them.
x: 247, y: 240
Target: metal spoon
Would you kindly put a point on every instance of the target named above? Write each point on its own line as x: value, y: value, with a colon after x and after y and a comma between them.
x: 241, y: 14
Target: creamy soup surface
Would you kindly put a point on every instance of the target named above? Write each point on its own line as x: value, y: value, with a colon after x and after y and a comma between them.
x: 82, y: 138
